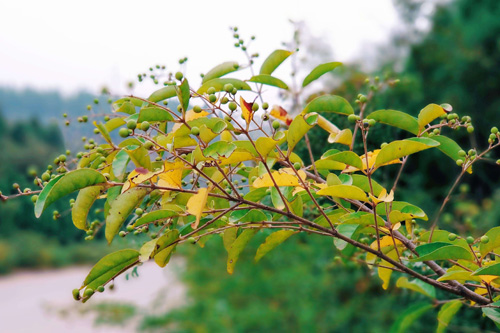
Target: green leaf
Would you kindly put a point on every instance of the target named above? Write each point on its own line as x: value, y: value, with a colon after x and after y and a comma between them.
x: 459, y: 275
x: 237, y: 247
x: 244, y: 215
x: 446, y: 314
x: 344, y: 192
x: 156, y: 215
x: 109, y: 267
x: 401, y: 148
x: 119, y: 165
x: 162, y: 94
x: 493, y: 313
x: 114, y: 123
x: 396, y: 119
x: 228, y: 237
x: 347, y: 230
x: 66, y: 184
x: 104, y: 132
x: 140, y: 156
x: 184, y: 94
x: 299, y: 127
x: 319, y: 71
x: 428, y: 114
x: 273, y: 61
x: 362, y: 182
x: 272, y: 241
x: 256, y: 195
x: 442, y: 236
x: 154, y: 113
x: 121, y: 208
x: 416, y: 285
x: 494, y: 243
x: 84, y: 201
x: 164, y: 247
x: 329, y: 103
x: 441, y: 251
x: 488, y: 270
x: 218, y: 84
x: 269, y: 80
x: 409, y: 316
x: 219, y: 148
x: 347, y: 157
x: 221, y: 70
x: 126, y: 107
x: 266, y: 144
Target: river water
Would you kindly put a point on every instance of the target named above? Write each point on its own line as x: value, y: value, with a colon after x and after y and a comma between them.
x: 41, y: 301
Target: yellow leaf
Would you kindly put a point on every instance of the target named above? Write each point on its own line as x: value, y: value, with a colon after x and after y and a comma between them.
x: 172, y: 174
x: 196, y: 205
x: 239, y: 155
x: 343, y: 137
x: 279, y: 113
x: 385, y: 273
x: 226, y: 136
x: 246, y: 109
x: 328, y: 126
x: 383, y: 197
x: 138, y: 176
x: 372, y: 157
x: 190, y: 115
x: 283, y: 177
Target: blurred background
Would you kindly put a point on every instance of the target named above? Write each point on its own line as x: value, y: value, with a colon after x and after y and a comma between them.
x: 58, y: 57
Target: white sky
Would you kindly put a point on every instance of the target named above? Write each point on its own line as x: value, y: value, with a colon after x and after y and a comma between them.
x: 69, y: 45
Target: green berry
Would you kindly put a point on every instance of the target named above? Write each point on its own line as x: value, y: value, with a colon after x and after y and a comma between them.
x: 130, y: 227
x: 276, y: 124
x: 195, y: 130
x: 179, y: 76
x: 145, y: 126
x: 296, y: 165
x: 472, y: 152
x: 255, y: 107
x: 192, y: 240
x: 88, y: 292
x: 352, y: 118
x: 452, y: 237
x: 15, y: 186
x: 211, y: 91
x: 139, y: 211
x: 228, y: 87
x: 76, y: 294
x: 462, y: 153
x: 265, y: 105
x: 131, y: 124
x: 494, y: 130
x: 460, y: 162
x: 34, y: 198
x: 148, y: 145
x: 212, y: 98
x: 197, y: 108
x: 470, y: 129
x: 100, y: 289
x: 122, y: 233
x: 470, y: 240
x: 372, y: 122
x: 123, y: 132
x: 485, y: 239
x: 224, y: 100
x: 45, y: 177
x: 232, y: 106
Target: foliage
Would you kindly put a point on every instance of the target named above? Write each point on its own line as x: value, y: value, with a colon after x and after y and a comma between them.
x: 226, y: 167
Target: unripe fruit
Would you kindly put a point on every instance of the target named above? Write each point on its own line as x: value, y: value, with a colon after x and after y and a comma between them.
x: 460, y: 162
x: 224, y: 100
x: 88, y: 292
x: 352, y: 118
x: 485, y: 239
x: 211, y: 91
x: 148, y: 145
x: 96, y: 131
x: 452, y: 237
x: 131, y: 124
x: 472, y: 152
x: 197, y: 108
x: 34, y: 198
x: 232, y: 106
x: 45, y: 177
x: 296, y: 165
x: 145, y: 126
x: 76, y: 294
x: 470, y: 129
x: 462, y: 153
x: 179, y: 76
x: 470, y: 240
x: 130, y: 227
x: 122, y: 233
x: 265, y: 105
x: 276, y: 124
x: 228, y: 87
x: 494, y: 130
x: 100, y: 289
x: 212, y: 98
x: 139, y: 211
x: 192, y: 240
x: 15, y: 186
x: 372, y: 122
x: 195, y: 130
x: 123, y: 132
x: 255, y: 107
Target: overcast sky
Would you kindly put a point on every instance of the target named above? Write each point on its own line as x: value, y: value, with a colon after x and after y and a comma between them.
x: 69, y: 45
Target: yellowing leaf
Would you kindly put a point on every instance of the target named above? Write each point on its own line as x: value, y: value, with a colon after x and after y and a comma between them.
x: 283, y: 177
x: 345, y: 192
x: 196, y: 204
x: 343, y: 137
x: 428, y: 114
x: 328, y: 126
x: 246, y: 109
x: 279, y: 113
x: 383, y: 197
x: 138, y: 176
x: 372, y: 157
x: 226, y: 136
x: 190, y: 115
x: 385, y: 273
